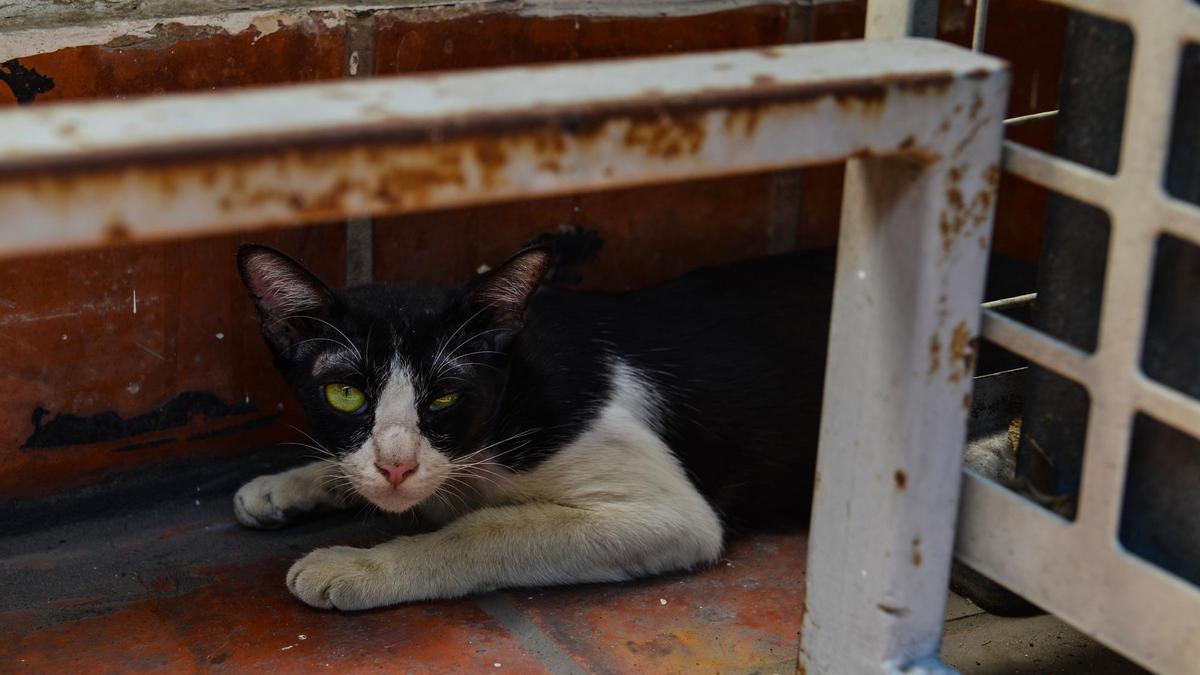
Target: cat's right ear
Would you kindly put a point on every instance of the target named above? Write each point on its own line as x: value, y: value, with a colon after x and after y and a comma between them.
x: 287, y: 295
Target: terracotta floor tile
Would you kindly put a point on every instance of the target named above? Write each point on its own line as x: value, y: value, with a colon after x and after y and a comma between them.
x: 245, y: 620
x: 741, y: 615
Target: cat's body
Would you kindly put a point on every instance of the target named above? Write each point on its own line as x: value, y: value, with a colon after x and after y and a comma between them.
x: 559, y: 436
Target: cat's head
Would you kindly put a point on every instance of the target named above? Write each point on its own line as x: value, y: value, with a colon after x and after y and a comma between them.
x: 401, y: 384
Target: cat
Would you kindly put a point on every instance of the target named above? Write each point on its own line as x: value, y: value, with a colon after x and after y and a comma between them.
x: 554, y: 436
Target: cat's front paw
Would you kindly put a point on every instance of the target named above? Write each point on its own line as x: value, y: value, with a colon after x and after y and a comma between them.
x: 341, y: 577
x: 274, y: 501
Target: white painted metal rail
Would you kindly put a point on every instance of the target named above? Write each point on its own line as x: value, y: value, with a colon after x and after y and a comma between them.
x: 178, y: 165
x: 897, y: 390
x: 924, y: 118
x: 1078, y: 570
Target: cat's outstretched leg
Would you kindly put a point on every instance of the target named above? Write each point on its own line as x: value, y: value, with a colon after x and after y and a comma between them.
x: 613, y: 505
x: 506, y: 546
x: 279, y: 499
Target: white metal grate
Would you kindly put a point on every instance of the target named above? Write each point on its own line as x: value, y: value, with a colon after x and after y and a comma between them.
x: 1077, y: 569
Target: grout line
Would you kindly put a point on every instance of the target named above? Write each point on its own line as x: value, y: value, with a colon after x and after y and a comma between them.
x: 540, y: 645
x: 972, y: 615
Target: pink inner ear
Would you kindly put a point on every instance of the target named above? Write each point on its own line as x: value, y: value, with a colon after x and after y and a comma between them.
x: 280, y: 287
x: 512, y: 284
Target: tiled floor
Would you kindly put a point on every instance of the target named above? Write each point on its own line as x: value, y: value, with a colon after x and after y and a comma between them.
x: 177, y: 586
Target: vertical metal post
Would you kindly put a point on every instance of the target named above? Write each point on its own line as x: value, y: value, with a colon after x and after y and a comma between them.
x: 360, y: 231
x: 980, y: 32
x: 901, y: 18
x: 911, y: 268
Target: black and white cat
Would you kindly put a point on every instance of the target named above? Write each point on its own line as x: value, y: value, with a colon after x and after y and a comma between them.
x: 557, y: 436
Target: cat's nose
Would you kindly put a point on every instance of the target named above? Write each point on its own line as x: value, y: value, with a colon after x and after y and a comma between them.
x: 396, y: 473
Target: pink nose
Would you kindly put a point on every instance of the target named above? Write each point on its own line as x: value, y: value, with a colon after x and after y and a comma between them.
x: 396, y: 473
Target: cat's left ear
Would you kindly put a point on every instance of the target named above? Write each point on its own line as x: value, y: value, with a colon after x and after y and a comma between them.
x: 504, y: 292
x: 285, y: 293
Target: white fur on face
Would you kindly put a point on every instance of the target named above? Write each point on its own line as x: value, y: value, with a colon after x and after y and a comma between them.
x: 396, y: 438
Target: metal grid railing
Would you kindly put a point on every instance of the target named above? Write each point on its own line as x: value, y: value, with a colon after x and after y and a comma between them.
x: 1077, y: 569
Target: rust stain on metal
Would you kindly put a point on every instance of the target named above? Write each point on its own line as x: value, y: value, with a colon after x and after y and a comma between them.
x: 966, y: 140
x: 901, y: 480
x: 966, y: 402
x: 935, y: 353
x: 548, y: 141
x: 916, y: 552
x: 117, y: 232
x: 666, y: 137
x: 375, y: 110
x: 69, y: 131
x: 955, y: 198
x: 492, y: 158
x: 868, y: 100
x: 963, y: 350
x: 991, y: 175
x: 960, y: 214
x: 742, y: 120
x: 763, y: 80
x: 400, y: 164
x: 949, y: 226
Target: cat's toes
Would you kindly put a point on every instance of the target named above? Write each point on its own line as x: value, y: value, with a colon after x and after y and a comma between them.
x: 340, y: 577
x: 273, y: 501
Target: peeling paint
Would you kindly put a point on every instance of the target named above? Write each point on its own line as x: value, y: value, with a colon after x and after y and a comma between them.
x: 161, y: 32
x: 26, y: 84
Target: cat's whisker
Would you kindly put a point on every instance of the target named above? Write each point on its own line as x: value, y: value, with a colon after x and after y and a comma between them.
x: 483, y: 468
x: 349, y: 343
x: 322, y: 339
x: 319, y: 444
x: 367, y: 359
x: 321, y: 452
x: 457, y: 363
x: 337, y: 478
x: 472, y: 479
x: 451, y: 490
x: 476, y: 364
x: 456, y: 332
x: 461, y: 461
x: 441, y: 363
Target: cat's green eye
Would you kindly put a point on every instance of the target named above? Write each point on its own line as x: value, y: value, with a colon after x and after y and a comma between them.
x: 345, y: 398
x: 443, y: 402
